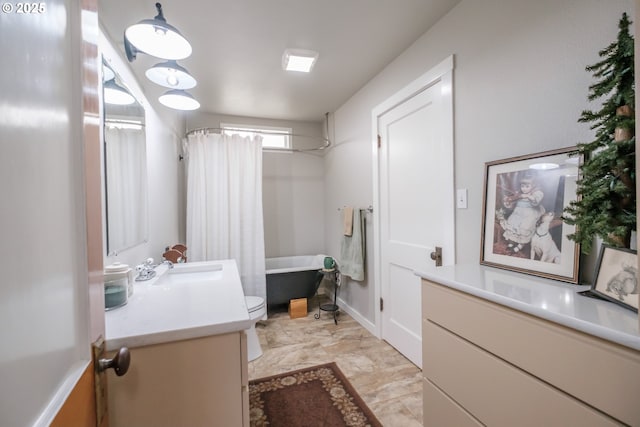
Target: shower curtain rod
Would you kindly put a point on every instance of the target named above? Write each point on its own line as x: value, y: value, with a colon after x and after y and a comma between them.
x: 124, y: 122
x: 325, y: 141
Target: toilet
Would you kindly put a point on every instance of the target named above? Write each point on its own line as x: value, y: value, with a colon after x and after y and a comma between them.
x: 257, y: 311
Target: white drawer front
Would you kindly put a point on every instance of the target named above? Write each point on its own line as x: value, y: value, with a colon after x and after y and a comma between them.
x: 602, y: 374
x: 440, y: 411
x: 495, y: 392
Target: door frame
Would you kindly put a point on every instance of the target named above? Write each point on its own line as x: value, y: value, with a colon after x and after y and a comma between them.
x: 440, y: 72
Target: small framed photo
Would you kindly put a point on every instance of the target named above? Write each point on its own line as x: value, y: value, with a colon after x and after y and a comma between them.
x: 616, y: 278
x: 522, y: 226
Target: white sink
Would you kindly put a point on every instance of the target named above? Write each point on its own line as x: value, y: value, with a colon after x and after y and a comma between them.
x: 196, y: 267
x: 188, y: 273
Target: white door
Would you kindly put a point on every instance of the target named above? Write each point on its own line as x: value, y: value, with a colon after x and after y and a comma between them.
x: 416, y: 206
x: 51, y: 297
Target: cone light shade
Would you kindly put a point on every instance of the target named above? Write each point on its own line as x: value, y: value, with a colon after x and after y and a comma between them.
x: 170, y: 74
x: 179, y: 100
x: 157, y: 38
x: 107, y: 74
x: 116, y: 94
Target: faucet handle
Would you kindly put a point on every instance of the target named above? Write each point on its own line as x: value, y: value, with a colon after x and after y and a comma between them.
x: 149, y: 261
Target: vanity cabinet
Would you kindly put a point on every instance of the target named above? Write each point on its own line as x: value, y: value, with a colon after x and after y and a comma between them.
x: 485, y: 363
x: 193, y: 382
x: 185, y: 329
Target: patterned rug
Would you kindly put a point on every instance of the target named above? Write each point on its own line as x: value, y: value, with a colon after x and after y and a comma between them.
x: 311, y: 397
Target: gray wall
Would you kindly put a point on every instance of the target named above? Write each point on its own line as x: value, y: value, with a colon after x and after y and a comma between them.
x: 519, y: 88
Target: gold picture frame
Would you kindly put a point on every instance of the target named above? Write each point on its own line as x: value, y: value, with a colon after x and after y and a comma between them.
x: 522, y: 229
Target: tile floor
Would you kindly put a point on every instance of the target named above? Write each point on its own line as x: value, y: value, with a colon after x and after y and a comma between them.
x: 389, y: 384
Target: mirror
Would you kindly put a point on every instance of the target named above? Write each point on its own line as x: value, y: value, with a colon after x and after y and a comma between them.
x: 125, y: 162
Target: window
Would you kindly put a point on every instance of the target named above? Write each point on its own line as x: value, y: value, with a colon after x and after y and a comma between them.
x: 272, y: 137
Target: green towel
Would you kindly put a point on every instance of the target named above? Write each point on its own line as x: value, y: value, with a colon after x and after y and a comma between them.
x: 352, y: 249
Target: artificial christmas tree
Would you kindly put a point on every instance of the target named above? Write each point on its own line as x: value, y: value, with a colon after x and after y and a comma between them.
x: 606, y: 205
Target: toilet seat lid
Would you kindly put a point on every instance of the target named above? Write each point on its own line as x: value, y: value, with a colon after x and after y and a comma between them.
x: 254, y: 303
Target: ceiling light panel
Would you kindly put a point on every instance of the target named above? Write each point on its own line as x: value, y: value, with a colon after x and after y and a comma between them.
x: 299, y: 60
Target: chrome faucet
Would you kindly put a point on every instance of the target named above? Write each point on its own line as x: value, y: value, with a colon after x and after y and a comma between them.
x: 169, y: 263
x: 145, y: 270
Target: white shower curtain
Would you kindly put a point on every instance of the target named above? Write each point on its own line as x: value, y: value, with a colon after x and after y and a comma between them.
x: 224, y: 204
x: 126, y: 175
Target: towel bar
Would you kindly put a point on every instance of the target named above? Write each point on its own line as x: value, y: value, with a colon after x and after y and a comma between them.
x: 368, y: 208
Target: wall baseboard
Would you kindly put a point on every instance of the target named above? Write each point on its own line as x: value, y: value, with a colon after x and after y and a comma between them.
x: 366, y: 323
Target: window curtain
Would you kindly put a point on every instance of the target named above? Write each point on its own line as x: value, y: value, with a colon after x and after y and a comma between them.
x: 224, y: 204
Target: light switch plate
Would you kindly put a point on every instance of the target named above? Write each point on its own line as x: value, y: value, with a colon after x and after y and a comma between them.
x: 461, y: 198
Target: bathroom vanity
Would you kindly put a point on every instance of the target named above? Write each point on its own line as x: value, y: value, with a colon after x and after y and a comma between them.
x: 185, y: 332
x: 503, y: 349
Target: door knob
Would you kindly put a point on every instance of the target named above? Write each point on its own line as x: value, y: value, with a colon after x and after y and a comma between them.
x: 437, y: 256
x: 119, y: 363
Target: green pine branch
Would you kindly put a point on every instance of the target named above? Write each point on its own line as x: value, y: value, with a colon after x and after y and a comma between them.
x: 606, y: 203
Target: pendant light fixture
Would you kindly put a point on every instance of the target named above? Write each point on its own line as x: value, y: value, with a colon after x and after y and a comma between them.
x: 116, y: 94
x: 178, y: 99
x: 157, y: 38
x: 170, y: 74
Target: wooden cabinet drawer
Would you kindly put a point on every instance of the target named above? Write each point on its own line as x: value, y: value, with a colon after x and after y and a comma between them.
x: 602, y: 374
x: 440, y: 411
x: 495, y: 392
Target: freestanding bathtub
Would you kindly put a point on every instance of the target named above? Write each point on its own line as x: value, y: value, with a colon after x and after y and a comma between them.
x: 292, y: 277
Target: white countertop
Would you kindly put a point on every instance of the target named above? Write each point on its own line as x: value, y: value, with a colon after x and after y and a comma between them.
x: 548, y: 299
x: 191, y: 300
